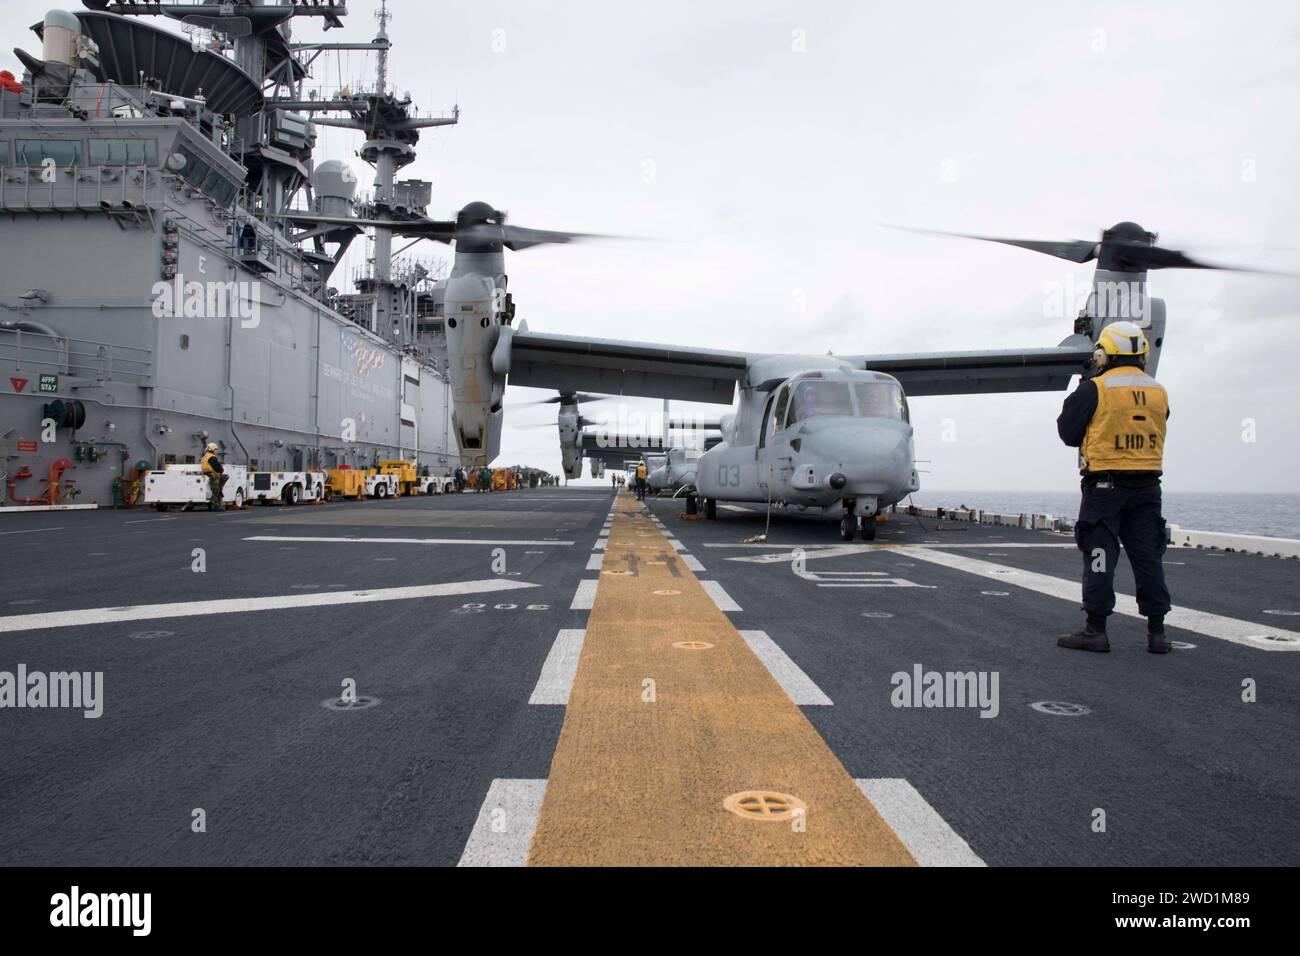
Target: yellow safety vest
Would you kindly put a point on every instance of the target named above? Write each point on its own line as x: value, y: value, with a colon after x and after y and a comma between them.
x: 1127, y: 431
x: 206, y: 461
x: 640, y: 471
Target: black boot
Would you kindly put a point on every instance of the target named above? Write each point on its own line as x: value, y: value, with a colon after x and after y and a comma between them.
x: 1091, y: 638
x: 1157, y: 642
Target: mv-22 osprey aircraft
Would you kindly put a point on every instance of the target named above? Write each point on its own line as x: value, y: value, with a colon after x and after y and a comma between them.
x: 826, y: 433
x: 832, y: 433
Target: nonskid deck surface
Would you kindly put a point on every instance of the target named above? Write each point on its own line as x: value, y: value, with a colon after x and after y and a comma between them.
x: 539, y: 712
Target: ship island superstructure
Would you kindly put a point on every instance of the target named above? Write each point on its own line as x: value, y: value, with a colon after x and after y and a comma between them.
x: 154, y: 296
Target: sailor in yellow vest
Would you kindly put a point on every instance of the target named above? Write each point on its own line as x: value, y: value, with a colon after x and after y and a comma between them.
x: 212, y: 470
x: 1117, y: 421
x: 641, y: 473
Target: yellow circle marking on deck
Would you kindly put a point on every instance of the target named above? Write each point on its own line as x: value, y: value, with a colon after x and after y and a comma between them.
x: 765, y: 805
x: 693, y: 645
x: 667, y: 591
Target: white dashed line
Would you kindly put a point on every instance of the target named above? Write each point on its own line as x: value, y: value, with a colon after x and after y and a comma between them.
x: 720, y: 597
x: 595, y: 561
x: 556, y: 679
x: 798, y: 686
x: 925, y: 833
x: 504, y: 829
x: 585, y: 596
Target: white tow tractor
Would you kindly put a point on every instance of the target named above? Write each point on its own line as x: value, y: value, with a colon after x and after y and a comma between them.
x: 288, y: 487
x: 186, y: 486
x: 433, y: 484
x: 381, y: 486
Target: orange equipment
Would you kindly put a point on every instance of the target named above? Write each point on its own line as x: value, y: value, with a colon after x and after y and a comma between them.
x: 52, y: 494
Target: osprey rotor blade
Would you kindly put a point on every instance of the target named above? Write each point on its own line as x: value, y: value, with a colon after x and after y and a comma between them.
x: 1124, y: 247
x: 518, y: 237
x: 1075, y: 250
x: 567, y: 398
x: 1156, y: 257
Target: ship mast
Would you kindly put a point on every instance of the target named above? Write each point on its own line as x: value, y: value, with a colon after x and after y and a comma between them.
x: 381, y: 41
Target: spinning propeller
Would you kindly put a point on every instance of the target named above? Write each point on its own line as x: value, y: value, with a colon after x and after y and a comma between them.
x: 477, y: 228
x: 1124, y: 247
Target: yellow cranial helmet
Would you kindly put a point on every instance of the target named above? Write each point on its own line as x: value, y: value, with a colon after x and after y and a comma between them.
x: 212, y: 446
x: 1123, y: 338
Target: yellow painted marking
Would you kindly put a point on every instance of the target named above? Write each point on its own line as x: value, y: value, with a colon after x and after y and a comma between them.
x: 655, y: 740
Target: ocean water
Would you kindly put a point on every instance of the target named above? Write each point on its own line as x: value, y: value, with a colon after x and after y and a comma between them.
x: 1277, y: 515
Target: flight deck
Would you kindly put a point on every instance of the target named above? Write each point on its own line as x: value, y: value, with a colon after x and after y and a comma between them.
x: 563, y: 676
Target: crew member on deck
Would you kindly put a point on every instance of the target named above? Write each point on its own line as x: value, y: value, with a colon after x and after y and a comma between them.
x: 641, y: 473
x: 212, y: 470
x: 1117, y: 421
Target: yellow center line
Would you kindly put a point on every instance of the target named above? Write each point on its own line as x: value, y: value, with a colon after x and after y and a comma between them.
x: 657, y: 736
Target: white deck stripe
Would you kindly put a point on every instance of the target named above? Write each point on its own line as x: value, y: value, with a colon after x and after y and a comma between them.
x: 600, y: 544
x: 798, y: 686
x: 32, y: 531
x: 720, y: 597
x: 692, y: 562
x: 556, y: 679
x: 925, y: 833
x: 677, y: 545
x: 478, y: 541
x: 149, y: 612
x: 503, y: 832
x: 812, y: 549
x: 595, y: 561
x: 584, y: 597
x: 1202, y: 622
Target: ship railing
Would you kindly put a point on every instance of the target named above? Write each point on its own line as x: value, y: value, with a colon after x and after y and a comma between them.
x: 107, y: 188
x: 37, y: 352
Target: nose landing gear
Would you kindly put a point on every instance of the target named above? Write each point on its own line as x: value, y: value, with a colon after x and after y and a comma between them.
x: 852, y: 524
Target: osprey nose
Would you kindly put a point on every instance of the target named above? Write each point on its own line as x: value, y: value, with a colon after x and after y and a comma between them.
x: 868, y: 458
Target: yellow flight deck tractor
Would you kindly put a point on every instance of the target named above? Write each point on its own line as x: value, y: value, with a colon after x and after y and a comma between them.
x: 347, y: 482
x: 404, y: 472
x: 411, y: 483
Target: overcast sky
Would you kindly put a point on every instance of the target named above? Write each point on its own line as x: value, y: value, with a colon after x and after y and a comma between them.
x: 771, y: 138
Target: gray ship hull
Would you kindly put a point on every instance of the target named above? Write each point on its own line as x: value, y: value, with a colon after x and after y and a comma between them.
x: 245, y: 358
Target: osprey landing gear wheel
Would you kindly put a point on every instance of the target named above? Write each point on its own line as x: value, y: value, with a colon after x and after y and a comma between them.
x: 711, y: 509
x: 867, y: 527
x: 848, y: 527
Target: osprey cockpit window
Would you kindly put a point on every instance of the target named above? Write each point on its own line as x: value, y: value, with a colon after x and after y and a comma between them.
x: 813, y: 399
x: 782, y: 406
x: 883, y: 399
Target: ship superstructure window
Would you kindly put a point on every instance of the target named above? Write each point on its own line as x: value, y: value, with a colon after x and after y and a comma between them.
x: 219, y: 188
x: 33, y: 152
x: 200, y: 174
x: 124, y: 152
